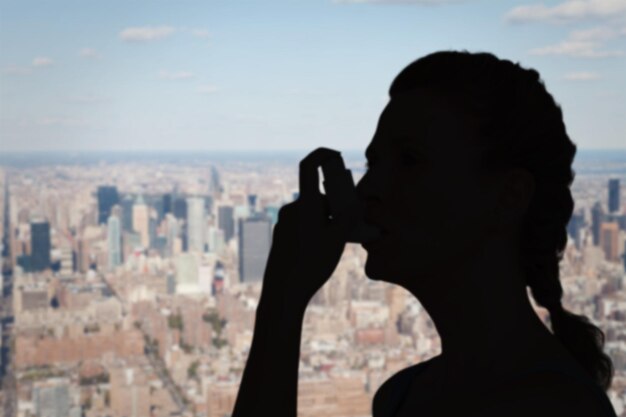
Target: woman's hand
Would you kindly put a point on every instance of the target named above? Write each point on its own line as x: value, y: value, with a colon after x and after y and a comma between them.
x: 306, y: 243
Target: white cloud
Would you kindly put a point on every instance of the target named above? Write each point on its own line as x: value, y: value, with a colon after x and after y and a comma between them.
x: 207, y: 89
x: 146, y: 33
x: 15, y: 70
x: 569, y: 10
x: 577, y: 49
x: 42, y: 61
x: 62, y: 121
x: 600, y: 33
x: 200, y: 33
x: 582, y: 76
x: 180, y: 75
x: 89, y: 53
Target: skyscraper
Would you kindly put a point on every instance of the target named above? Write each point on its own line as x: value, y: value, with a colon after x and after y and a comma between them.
x: 187, y: 273
x: 140, y: 221
x: 180, y: 208
x: 576, y: 222
x: 171, y: 232
x: 226, y: 222
x: 114, y: 241
x: 167, y: 204
x: 252, y: 202
x: 107, y: 198
x: 597, y: 217
x: 127, y: 213
x: 40, y: 245
x: 614, y: 195
x: 195, y: 222
x: 609, y: 233
x: 255, y: 235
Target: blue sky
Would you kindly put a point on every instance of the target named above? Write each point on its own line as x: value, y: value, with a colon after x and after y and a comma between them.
x: 246, y: 75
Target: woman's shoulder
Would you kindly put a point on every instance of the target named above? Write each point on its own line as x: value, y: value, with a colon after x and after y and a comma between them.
x: 563, y: 399
x: 554, y: 390
x: 391, y: 392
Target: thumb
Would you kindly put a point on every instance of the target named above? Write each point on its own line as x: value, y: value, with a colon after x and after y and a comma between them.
x: 344, y: 221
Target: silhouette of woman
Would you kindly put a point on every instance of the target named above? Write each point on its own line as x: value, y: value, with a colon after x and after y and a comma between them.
x: 468, y: 175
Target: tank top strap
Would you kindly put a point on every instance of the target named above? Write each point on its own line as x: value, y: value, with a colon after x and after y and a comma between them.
x: 576, y: 375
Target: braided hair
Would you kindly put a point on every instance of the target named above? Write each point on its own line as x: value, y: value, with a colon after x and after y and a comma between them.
x: 521, y: 125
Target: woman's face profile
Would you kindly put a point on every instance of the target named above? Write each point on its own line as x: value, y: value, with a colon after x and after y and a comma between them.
x: 423, y: 188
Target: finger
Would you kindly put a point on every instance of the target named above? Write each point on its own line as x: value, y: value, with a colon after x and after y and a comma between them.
x: 309, y: 176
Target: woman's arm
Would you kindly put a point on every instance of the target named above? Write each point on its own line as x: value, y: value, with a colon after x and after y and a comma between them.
x: 269, y: 386
x: 306, y: 247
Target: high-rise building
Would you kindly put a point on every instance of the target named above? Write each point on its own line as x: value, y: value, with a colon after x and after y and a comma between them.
x: 152, y: 229
x: 167, y: 203
x: 575, y: 224
x: 614, y: 195
x: 608, y: 240
x: 272, y: 212
x: 226, y: 221
x: 205, y: 274
x: 597, y: 217
x: 187, y: 273
x: 171, y: 232
x: 180, y: 208
x: 252, y: 203
x: 214, y: 182
x: 40, y: 245
x: 107, y: 198
x: 141, y: 221
x: 127, y: 213
x: 255, y: 235
x: 114, y: 241
x: 195, y: 224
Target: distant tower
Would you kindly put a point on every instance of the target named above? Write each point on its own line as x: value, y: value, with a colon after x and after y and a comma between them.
x: 114, y: 241
x: 614, y: 195
x: 171, y: 233
x: 167, y: 204
x: 608, y: 240
x: 195, y: 224
x: 180, y: 208
x: 226, y: 222
x: 187, y: 273
x: 576, y: 222
x: 252, y: 203
x: 140, y: 221
x: 597, y: 217
x: 255, y: 235
x: 107, y: 198
x: 40, y: 245
x: 127, y: 213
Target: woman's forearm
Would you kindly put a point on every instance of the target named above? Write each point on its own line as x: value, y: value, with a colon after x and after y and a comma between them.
x: 269, y: 385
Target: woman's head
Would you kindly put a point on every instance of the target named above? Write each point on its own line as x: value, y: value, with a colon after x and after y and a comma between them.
x: 471, y: 147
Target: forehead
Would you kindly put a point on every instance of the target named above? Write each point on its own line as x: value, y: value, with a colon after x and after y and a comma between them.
x: 422, y: 119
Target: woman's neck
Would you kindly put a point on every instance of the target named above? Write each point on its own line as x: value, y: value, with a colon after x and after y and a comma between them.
x: 483, y: 315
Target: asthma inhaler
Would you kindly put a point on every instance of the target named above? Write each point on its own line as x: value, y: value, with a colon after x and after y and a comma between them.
x: 341, y: 192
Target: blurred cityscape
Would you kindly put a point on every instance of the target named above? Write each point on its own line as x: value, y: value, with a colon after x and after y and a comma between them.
x: 131, y: 281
